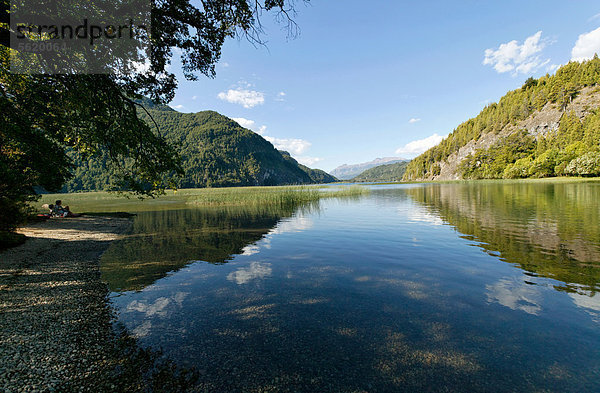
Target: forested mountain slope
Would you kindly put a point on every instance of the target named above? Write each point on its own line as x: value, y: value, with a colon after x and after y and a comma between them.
x: 383, y: 173
x: 549, y: 127
x: 347, y: 172
x: 317, y: 176
x: 215, y: 150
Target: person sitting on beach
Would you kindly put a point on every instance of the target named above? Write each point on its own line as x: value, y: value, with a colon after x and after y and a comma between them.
x: 55, y: 210
x: 60, y: 211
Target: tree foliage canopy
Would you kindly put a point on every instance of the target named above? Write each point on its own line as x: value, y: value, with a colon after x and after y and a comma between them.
x: 43, y: 115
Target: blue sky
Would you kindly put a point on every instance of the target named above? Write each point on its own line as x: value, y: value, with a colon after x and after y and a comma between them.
x: 387, y: 78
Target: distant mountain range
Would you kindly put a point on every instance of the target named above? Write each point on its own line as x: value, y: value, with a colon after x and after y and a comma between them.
x: 347, y: 172
x: 215, y: 151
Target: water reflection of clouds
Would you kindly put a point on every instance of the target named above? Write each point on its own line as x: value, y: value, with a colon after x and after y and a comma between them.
x: 292, y: 225
x: 158, y: 308
x: 256, y: 271
x: 255, y: 311
x: 412, y: 289
x: 309, y: 301
x: 516, y: 295
x: 142, y: 330
x: 297, y: 224
x: 419, y: 215
x: 250, y: 249
x: 590, y: 303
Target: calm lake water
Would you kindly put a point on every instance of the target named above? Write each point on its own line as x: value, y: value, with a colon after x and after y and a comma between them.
x: 443, y: 287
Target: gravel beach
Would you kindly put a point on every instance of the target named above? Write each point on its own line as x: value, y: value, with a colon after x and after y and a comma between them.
x: 56, y: 330
x: 54, y: 320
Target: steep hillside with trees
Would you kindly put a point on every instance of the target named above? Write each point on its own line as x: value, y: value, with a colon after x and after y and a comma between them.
x: 548, y: 127
x: 347, y: 172
x: 215, y: 151
x: 383, y: 173
x: 317, y: 176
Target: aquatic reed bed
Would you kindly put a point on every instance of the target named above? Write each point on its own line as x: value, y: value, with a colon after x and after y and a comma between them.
x: 271, y: 196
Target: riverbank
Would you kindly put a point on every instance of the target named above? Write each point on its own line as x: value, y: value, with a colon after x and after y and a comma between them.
x: 56, y: 332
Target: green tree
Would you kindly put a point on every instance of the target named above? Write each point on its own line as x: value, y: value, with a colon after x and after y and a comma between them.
x: 544, y: 164
x: 586, y: 165
x: 518, y: 170
x: 43, y: 115
x: 566, y: 155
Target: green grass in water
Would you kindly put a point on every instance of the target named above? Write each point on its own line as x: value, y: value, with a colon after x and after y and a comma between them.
x: 283, y: 196
x: 275, y: 196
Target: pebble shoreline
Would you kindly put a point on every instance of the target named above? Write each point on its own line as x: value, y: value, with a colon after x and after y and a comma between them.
x: 55, y: 322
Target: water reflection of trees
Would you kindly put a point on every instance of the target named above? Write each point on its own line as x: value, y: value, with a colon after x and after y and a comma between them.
x: 547, y: 229
x: 167, y: 240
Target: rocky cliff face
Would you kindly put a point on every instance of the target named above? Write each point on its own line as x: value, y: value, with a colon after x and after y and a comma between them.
x: 539, y: 123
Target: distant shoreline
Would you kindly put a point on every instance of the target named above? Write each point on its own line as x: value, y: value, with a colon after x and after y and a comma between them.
x: 562, y: 179
x: 342, y: 182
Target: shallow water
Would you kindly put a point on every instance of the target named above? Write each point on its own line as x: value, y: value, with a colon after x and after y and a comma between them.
x: 445, y: 287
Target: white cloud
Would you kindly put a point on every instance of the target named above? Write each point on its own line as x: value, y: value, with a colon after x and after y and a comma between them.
x: 194, y: 97
x: 225, y: 65
x: 586, y: 46
x: 177, y: 106
x: 294, y: 146
x: 246, y: 123
x: 280, y: 96
x: 420, y: 146
x: 250, y: 124
x: 308, y: 161
x: 414, y: 120
x: 597, y: 16
x: 516, y: 58
x: 246, y: 98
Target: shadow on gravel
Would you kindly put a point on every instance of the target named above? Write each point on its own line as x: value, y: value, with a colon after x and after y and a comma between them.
x: 56, y: 324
